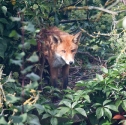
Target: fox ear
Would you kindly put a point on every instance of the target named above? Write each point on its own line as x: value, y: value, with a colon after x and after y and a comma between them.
x: 56, y: 39
x: 77, y: 37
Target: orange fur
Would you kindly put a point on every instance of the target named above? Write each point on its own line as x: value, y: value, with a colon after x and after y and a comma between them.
x: 59, y: 48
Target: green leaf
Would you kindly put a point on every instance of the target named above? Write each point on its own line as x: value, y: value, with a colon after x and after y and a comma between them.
x: 96, y: 105
x: 1, y: 29
x: 74, y: 104
x: 108, y: 113
x: 4, y: 21
x: 3, y: 121
x: 3, y: 47
x: 81, y: 111
x: 27, y: 69
x: 34, y: 58
x: 12, y: 99
x: 4, y: 9
x: 68, y: 104
x: 53, y: 121
x: 62, y: 111
x: 20, y: 55
x: 104, y: 69
x: 40, y: 108
x: 99, y: 77
x: 112, y: 107
x: 16, y: 62
x: 33, y: 85
x: 19, y: 119
x: 106, y: 101
x: 33, y: 120
x: 124, y: 22
x: 15, y: 18
x: 23, y: 117
x: 29, y: 27
x: 118, y: 102
x: 26, y: 45
x: 124, y: 104
x: 16, y: 119
x: 32, y: 42
x: 87, y: 98
x: 14, y: 34
x: 99, y: 112
x: 33, y: 76
x: 46, y: 116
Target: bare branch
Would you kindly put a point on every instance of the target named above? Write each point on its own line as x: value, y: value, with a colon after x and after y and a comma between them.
x: 89, y: 8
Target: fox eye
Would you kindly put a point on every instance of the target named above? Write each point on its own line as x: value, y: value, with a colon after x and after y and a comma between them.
x: 73, y: 50
x: 63, y: 51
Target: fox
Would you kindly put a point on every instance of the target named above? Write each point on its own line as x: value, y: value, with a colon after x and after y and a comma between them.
x: 59, y: 49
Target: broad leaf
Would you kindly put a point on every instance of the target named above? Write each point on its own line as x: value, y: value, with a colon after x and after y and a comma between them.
x: 4, y: 9
x: 33, y: 58
x: 81, y: 111
x: 99, y: 112
x: 99, y: 77
x: 53, y: 121
x: 68, y: 104
x: 108, y: 113
x: 3, y: 121
x: 106, y: 101
x: 104, y: 69
x: 33, y: 120
x: 33, y: 76
x: 112, y: 107
x: 74, y: 104
x: 124, y: 104
x: 87, y: 98
x: 46, y: 116
x: 62, y: 111
x: 12, y: 99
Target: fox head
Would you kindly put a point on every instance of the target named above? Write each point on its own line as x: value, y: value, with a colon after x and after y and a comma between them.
x: 65, y: 47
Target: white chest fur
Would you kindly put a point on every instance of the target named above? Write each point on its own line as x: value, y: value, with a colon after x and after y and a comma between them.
x: 58, y: 61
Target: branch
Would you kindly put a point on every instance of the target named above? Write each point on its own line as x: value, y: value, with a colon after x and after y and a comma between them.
x: 89, y: 8
x: 70, y: 21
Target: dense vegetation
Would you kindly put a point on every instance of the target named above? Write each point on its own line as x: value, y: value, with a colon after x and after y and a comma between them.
x: 97, y: 90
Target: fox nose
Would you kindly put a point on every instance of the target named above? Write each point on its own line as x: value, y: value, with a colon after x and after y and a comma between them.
x: 71, y: 62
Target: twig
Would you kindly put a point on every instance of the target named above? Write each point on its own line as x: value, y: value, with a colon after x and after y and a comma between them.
x: 89, y: 8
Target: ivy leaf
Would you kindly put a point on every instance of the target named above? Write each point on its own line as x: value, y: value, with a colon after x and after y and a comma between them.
x: 46, y: 116
x: 16, y: 62
x: 33, y: 120
x: 33, y: 58
x: 29, y: 27
x: 81, y: 111
x: 108, y: 113
x: 54, y: 121
x: 33, y: 76
x: 12, y: 99
x: 3, y: 121
x: 4, y: 9
x: 99, y: 112
x: 27, y: 69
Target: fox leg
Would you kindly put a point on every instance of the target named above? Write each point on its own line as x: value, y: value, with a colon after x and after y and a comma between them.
x: 54, y: 76
x: 65, y: 73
